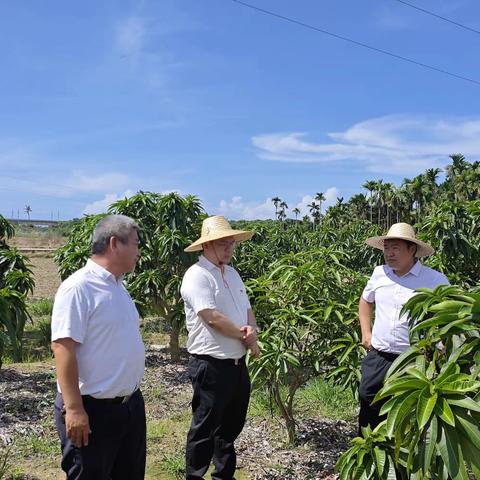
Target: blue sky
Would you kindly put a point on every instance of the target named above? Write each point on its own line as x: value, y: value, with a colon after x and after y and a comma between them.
x: 101, y: 99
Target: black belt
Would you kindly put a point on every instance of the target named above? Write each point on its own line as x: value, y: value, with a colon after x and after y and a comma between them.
x: 114, y: 401
x: 391, y: 356
x: 223, y: 361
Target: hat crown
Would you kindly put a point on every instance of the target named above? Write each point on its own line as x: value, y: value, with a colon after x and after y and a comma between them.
x: 217, y: 223
x: 401, y: 230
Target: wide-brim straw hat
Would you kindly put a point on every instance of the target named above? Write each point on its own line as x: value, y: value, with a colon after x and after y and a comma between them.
x: 215, y: 228
x: 402, y: 231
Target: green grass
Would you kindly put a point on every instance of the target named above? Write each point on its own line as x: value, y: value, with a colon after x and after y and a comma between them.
x: 40, y: 308
x: 320, y: 397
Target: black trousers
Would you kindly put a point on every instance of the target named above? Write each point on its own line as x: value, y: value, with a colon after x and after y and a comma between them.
x: 116, y: 445
x: 221, y: 392
x: 374, y: 368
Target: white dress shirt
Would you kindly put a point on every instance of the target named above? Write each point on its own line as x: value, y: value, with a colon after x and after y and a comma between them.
x: 93, y: 308
x: 204, y: 287
x: 390, y: 292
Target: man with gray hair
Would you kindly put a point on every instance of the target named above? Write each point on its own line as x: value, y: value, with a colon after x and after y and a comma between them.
x: 100, y: 359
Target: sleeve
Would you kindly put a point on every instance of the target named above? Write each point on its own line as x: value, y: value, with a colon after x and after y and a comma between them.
x: 197, y: 291
x: 70, y: 314
x: 368, y: 293
x: 443, y: 280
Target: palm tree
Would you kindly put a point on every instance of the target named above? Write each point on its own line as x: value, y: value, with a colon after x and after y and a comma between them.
x: 418, y: 187
x: 296, y: 212
x: 388, y: 189
x: 276, y: 201
x: 378, y: 196
x: 314, y: 211
x: 359, y: 205
x: 28, y: 210
x: 320, y: 197
x: 370, y: 186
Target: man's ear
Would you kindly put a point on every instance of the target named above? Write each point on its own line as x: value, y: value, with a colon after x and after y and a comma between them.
x: 112, y: 243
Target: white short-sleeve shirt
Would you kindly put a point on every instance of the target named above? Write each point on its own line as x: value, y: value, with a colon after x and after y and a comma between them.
x: 93, y: 308
x: 204, y: 287
x: 390, y: 292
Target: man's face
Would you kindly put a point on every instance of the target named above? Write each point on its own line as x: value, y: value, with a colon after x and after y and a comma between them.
x: 223, y: 249
x: 128, y: 253
x: 398, y: 254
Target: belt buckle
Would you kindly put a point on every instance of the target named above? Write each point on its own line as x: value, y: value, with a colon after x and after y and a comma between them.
x: 236, y: 361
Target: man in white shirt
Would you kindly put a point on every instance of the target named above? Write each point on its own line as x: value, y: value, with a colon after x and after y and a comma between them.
x: 387, y: 290
x: 100, y: 359
x: 221, y: 326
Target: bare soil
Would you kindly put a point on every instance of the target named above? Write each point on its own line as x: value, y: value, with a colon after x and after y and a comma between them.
x: 46, y: 275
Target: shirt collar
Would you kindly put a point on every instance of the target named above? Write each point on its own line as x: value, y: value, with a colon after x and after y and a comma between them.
x: 415, y: 270
x: 103, y: 273
x: 206, y: 263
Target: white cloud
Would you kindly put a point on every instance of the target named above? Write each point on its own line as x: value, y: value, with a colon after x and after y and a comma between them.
x: 330, y: 195
x: 78, y: 183
x: 238, y: 209
x: 398, y: 144
x: 101, y: 206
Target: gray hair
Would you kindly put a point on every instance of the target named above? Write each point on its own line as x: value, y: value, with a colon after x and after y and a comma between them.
x: 118, y: 226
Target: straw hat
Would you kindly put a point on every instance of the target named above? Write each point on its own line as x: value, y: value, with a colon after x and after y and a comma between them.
x: 216, y: 227
x: 402, y: 231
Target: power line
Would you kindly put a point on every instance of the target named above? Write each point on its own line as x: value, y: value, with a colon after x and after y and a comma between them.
x: 355, y: 42
x: 445, y: 19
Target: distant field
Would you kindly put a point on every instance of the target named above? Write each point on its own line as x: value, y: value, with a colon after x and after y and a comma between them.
x: 43, y: 266
x: 46, y: 275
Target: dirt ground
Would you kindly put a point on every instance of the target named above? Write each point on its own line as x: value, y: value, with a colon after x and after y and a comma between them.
x: 44, y: 268
x: 46, y: 275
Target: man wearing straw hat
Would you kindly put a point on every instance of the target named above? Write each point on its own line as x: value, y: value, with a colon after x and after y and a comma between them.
x: 221, y: 326
x: 388, y: 289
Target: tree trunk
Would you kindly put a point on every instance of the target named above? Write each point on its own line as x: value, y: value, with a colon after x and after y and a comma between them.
x: 286, y: 411
x: 174, y: 342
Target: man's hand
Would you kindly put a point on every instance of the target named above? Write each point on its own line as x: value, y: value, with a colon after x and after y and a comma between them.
x: 255, y: 350
x: 249, y: 335
x: 77, y: 426
x: 367, y: 341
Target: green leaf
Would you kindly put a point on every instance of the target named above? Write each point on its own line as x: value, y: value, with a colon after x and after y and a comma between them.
x: 399, y: 411
x: 469, y: 427
x: 443, y: 410
x: 466, y: 403
x: 450, y: 451
x: 380, y: 459
x: 430, y: 444
x: 425, y: 406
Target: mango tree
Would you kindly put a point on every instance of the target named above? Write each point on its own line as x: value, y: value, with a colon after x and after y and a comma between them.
x: 168, y: 223
x: 298, y: 304
x: 432, y: 394
x: 16, y: 281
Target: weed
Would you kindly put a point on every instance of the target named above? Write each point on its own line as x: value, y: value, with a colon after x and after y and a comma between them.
x: 322, y: 397
x: 41, y: 308
x: 174, y: 464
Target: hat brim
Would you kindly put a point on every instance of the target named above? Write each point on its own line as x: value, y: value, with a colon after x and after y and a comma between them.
x: 238, y: 235
x: 423, y: 250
